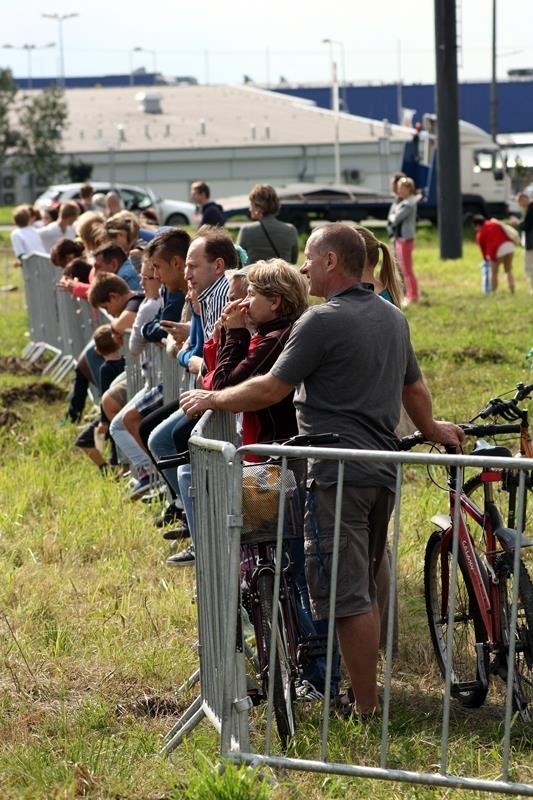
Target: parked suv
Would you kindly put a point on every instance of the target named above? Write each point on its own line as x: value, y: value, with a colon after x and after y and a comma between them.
x: 169, y: 212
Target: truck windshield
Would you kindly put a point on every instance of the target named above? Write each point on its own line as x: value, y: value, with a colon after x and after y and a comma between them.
x: 488, y: 161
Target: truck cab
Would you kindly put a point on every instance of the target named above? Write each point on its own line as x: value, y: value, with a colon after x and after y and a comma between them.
x: 485, y: 184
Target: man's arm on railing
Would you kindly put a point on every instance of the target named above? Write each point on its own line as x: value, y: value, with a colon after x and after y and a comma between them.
x: 252, y: 395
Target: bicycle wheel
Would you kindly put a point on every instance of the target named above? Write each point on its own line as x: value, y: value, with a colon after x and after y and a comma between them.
x: 283, y: 682
x: 523, y: 660
x: 468, y: 685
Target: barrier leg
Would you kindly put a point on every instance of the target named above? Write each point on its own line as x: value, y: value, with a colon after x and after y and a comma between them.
x: 189, y: 720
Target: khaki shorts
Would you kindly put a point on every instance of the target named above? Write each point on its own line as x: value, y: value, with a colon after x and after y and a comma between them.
x: 119, y: 391
x: 363, y: 533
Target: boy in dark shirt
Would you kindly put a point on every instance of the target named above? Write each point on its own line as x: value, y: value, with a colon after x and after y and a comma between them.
x: 108, y: 344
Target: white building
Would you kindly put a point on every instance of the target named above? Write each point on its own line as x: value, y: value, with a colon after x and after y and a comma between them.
x: 230, y: 136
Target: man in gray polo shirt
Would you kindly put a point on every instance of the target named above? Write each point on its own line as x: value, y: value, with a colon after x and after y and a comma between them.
x: 353, y: 365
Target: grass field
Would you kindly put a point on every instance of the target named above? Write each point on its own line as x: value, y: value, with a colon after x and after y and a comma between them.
x: 96, y: 633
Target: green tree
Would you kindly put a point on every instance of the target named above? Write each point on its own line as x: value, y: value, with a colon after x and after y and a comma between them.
x: 42, y: 118
x: 8, y: 91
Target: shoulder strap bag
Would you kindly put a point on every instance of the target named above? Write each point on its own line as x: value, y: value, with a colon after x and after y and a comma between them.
x: 272, y: 245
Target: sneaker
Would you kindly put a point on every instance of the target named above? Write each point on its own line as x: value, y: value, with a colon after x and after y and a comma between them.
x: 179, y: 532
x: 307, y: 693
x: 140, y: 487
x: 154, y: 496
x: 170, y: 515
x: 183, y: 559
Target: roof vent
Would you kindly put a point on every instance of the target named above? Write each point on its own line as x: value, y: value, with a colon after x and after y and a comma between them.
x: 149, y: 102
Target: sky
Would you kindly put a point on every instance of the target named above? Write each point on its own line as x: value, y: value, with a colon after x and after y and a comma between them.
x: 220, y: 42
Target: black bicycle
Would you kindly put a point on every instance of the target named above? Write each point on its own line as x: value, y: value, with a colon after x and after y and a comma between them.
x: 280, y: 647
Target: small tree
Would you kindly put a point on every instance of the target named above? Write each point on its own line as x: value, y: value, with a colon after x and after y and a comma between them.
x: 8, y: 91
x: 42, y: 119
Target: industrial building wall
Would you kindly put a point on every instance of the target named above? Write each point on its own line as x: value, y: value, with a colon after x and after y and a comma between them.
x: 515, y: 102
x: 233, y: 171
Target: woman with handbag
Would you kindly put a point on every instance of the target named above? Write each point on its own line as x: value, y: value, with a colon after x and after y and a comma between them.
x: 267, y: 237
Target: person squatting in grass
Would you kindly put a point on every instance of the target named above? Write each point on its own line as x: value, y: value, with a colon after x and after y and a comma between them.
x: 351, y: 364
x: 108, y: 344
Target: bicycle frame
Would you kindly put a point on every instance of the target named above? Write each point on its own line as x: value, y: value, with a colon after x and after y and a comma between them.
x: 263, y: 562
x: 489, y: 521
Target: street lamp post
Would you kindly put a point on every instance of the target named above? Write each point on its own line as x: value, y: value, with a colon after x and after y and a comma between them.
x: 28, y: 48
x: 335, y: 105
x: 340, y: 45
x: 60, y: 18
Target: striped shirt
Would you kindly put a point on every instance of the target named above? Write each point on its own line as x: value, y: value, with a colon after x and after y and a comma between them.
x: 212, y: 300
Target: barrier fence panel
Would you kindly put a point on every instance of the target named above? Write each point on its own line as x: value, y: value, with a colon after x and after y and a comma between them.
x: 211, y: 463
x: 175, y: 377
x: 40, y: 278
x: 217, y: 480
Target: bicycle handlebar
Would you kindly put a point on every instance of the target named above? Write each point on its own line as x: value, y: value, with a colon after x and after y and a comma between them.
x: 507, y: 409
x: 408, y: 442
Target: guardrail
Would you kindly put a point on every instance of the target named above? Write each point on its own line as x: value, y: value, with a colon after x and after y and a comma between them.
x: 217, y: 490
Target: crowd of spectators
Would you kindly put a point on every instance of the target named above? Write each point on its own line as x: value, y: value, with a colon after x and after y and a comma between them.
x: 236, y: 318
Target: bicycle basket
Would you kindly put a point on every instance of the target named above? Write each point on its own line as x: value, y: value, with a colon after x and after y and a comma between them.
x: 261, y: 488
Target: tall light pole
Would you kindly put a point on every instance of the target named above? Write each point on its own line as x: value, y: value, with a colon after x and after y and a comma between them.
x: 28, y: 48
x: 340, y: 45
x: 60, y: 18
x: 335, y: 105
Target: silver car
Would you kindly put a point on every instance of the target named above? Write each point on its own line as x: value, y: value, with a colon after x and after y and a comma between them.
x: 134, y: 198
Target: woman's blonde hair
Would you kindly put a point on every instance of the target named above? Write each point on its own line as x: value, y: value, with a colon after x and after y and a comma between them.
x: 90, y: 229
x: 123, y: 221
x: 389, y: 274
x: 276, y: 277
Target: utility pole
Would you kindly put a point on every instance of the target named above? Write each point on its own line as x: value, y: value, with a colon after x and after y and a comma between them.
x: 449, y: 201
x: 494, y: 79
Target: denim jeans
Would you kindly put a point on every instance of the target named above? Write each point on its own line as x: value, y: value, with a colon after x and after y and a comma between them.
x: 169, y: 438
x: 133, y: 453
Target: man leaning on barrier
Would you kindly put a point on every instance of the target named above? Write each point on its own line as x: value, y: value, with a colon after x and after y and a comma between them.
x: 352, y: 363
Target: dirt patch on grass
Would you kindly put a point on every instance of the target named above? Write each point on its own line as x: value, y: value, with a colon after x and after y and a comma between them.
x: 479, y: 355
x: 13, y: 365
x: 152, y: 705
x: 31, y: 393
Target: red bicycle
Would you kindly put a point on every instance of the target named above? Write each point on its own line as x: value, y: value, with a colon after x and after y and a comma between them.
x: 481, y: 643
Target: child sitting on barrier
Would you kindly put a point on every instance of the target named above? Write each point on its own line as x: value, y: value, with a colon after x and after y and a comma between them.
x: 108, y: 345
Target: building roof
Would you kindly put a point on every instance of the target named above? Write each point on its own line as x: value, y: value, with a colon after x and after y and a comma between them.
x: 207, y: 116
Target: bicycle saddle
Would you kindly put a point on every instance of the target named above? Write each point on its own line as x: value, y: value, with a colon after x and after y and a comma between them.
x: 495, y: 451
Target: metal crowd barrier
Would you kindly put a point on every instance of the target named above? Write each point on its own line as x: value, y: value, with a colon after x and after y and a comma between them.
x: 40, y: 278
x: 154, y: 367
x: 211, y: 459
x: 58, y: 323
x: 217, y: 492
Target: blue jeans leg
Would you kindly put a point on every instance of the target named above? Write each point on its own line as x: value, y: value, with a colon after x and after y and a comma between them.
x: 161, y: 445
